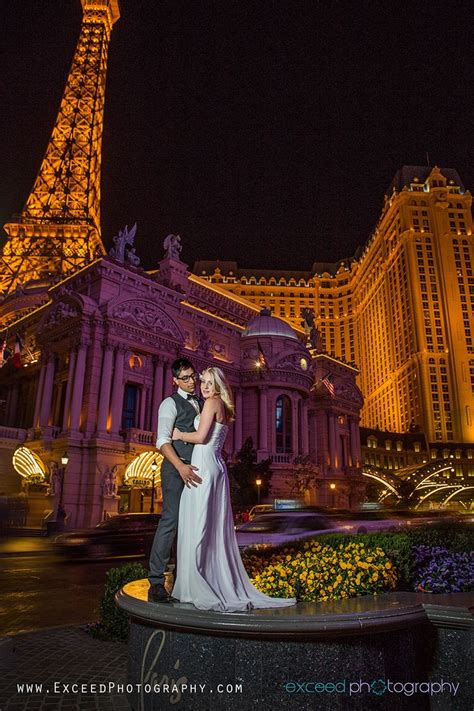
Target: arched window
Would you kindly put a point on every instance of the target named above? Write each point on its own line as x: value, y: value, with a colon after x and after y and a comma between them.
x: 283, y: 423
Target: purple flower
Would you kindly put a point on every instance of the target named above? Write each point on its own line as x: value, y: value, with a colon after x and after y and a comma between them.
x: 439, y: 570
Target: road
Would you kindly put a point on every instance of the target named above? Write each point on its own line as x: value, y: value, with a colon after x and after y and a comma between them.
x: 44, y: 591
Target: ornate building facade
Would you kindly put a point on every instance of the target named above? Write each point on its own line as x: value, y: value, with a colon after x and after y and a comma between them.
x: 98, y: 365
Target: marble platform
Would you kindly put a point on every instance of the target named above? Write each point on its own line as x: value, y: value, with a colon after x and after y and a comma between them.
x: 332, y: 655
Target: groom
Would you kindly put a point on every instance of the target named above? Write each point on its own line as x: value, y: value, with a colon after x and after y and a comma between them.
x: 178, y: 410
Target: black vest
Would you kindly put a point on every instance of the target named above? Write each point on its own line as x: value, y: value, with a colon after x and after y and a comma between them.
x: 184, y: 422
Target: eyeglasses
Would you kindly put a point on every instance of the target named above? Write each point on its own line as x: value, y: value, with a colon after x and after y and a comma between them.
x: 187, y: 378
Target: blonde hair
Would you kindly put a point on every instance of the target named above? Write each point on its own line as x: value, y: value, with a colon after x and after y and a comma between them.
x: 222, y: 388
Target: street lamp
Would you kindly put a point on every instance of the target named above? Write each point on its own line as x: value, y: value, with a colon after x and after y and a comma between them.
x: 332, y: 487
x: 154, y: 467
x: 64, y: 461
x: 259, y: 484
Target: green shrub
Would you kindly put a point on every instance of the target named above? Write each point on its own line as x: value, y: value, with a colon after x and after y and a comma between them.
x: 113, y: 622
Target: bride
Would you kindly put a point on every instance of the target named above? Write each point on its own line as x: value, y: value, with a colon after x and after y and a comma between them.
x: 210, y: 573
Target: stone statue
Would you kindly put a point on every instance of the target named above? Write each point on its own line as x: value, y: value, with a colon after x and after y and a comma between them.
x: 109, y: 482
x: 55, y: 478
x: 308, y: 321
x: 132, y: 258
x: 123, y: 240
x: 312, y: 332
x: 173, y: 247
x: 316, y: 340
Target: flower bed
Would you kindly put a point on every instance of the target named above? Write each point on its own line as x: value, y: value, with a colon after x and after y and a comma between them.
x: 319, y: 573
x: 334, y: 566
x: 439, y: 570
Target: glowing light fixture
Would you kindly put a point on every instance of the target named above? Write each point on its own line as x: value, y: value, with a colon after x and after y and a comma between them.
x: 143, y: 469
x: 29, y: 465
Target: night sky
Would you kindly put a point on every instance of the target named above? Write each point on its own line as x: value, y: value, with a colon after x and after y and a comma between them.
x: 261, y: 131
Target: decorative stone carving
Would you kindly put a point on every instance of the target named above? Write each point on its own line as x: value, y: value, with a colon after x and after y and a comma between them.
x: 348, y: 391
x: 55, y: 479
x: 220, y: 350
x: 108, y: 482
x: 316, y: 340
x: 60, y: 312
x: 146, y: 315
x: 290, y: 360
x: 123, y: 249
x: 204, y: 343
x: 132, y: 258
x: 313, y: 335
x: 173, y: 247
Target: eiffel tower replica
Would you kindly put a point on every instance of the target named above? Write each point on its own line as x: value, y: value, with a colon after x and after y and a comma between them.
x: 58, y: 231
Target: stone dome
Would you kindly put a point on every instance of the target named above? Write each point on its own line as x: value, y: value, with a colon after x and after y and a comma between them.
x: 267, y: 325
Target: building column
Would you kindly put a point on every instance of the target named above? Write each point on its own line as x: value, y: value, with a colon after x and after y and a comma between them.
x: 117, y: 391
x: 355, y: 442
x: 70, y: 381
x: 47, y: 391
x: 332, y: 439
x: 168, y: 381
x: 78, y: 388
x: 157, y: 393
x: 304, y: 426
x: 263, y: 421
x: 39, y: 396
x: 238, y: 421
x: 294, y: 426
x: 105, y: 388
x: 312, y: 432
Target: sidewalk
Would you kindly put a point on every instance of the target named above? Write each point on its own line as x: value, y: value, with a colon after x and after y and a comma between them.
x: 67, y: 656
x: 25, y: 546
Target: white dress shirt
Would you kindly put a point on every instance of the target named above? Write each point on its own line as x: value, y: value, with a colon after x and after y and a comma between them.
x: 167, y: 414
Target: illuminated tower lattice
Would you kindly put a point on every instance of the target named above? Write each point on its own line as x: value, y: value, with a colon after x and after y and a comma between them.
x: 58, y: 230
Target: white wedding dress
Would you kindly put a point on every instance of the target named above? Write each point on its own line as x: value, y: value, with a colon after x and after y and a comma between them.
x: 210, y: 573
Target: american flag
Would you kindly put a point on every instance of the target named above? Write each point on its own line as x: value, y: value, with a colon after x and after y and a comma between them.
x: 328, y: 381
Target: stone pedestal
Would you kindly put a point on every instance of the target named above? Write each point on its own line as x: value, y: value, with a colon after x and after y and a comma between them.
x: 173, y: 273
x: 361, y: 653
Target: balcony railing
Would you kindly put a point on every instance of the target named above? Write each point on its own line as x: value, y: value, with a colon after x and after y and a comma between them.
x: 47, y: 432
x: 14, y: 433
x: 282, y: 458
x: 132, y: 434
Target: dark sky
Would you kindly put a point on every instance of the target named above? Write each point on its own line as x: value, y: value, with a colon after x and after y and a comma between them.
x: 261, y: 131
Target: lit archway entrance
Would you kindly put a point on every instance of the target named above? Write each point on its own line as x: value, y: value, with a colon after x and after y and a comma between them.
x: 30, y: 506
x: 142, y: 476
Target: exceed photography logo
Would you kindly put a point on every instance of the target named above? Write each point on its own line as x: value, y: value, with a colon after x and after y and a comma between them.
x: 376, y: 687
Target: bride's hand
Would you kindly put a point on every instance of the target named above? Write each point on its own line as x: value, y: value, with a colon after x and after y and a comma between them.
x: 176, y: 434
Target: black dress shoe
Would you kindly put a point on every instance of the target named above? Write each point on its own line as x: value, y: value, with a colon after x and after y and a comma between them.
x: 157, y: 593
